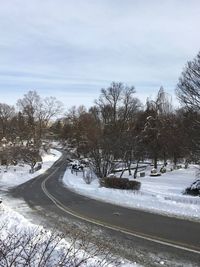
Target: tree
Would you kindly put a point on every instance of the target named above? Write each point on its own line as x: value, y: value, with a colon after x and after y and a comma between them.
x: 7, y: 112
x: 116, y: 103
x: 189, y: 134
x: 22, y: 127
x: 29, y: 106
x: 29, y: 155
x: 174, y: 138
x: 115, y: 110
x: 188, y: 92
x: 157, y: 113
x: 188, y: 87
x: 38, y: 113
x: 57, y: 128
x: 48, y: 108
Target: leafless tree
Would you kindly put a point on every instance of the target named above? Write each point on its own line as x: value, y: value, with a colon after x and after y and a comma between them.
x: 188, y: 88
x: 7, y: 112
x: 116, y: 103
x: 115, y: 109
x: 29, y: 106
x: 188, y: 92
x: 38, y: 112
x: 48, y: 108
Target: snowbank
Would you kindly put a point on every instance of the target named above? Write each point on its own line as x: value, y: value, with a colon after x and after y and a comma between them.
x: 16, y: 175
x: 162, y: 194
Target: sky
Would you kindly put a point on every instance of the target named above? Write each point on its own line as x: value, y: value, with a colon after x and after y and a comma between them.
x: 71, y: 49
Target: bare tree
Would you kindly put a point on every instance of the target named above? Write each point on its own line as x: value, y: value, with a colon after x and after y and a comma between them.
x: 29, y: 106
x: 7, y: 112
x: 48, y: 108
x: 188, y: 92
x: 38, y: 112
x: 116, y: 102
x: 116, y: 109
x: 188, y: 88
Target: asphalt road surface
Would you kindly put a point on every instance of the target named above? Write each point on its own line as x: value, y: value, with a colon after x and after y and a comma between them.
x: 158, y: 234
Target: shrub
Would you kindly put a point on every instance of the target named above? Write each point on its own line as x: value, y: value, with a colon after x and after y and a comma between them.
x: 120, y: 183
x: 134, y: 185
x: 194, y: 188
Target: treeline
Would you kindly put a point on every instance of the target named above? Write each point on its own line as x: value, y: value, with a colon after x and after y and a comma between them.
x: 118, y: 126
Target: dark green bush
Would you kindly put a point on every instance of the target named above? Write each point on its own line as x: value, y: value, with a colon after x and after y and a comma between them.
x: 119, y: 183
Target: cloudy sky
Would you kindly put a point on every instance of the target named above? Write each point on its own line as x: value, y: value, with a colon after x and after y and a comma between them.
x: 71, y: 49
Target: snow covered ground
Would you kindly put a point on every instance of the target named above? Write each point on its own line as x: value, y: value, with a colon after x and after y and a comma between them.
x: 35, y: 240
x: 15, y: 175
x: 161, y: 194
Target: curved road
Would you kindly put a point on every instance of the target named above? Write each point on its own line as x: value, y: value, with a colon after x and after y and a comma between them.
x: 166, y: 233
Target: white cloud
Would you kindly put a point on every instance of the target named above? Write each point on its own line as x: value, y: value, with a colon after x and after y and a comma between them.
x: 51, y: 45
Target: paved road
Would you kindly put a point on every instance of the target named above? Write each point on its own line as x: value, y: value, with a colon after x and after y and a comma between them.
x: 164, y: 233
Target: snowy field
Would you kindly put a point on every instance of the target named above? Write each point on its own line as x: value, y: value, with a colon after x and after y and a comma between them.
x: 161, y: 194
x: 16, y: 175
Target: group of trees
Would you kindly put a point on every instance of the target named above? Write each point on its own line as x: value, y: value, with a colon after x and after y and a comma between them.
x: 118, y: 127
x: 22, y: 128
x: 30, y: 119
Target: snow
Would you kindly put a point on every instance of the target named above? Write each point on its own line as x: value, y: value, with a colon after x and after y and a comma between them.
x: 16, y: 175
x: 15, y: 225
x: 162, y: 194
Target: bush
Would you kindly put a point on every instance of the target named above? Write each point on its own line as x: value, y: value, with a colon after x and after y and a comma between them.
x: 134, y: 185
x: 120, y: 183
x: 194, y: 189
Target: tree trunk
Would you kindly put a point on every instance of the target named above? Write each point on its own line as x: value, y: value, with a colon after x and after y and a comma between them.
x: 155, y: 161
x: 136, y: 169
x: 164, y: 158
x: 123, y: 170
x: 175, y: 160
x: 129, y: 167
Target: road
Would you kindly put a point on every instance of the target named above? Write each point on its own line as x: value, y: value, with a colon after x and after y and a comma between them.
x: 156, y: 232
